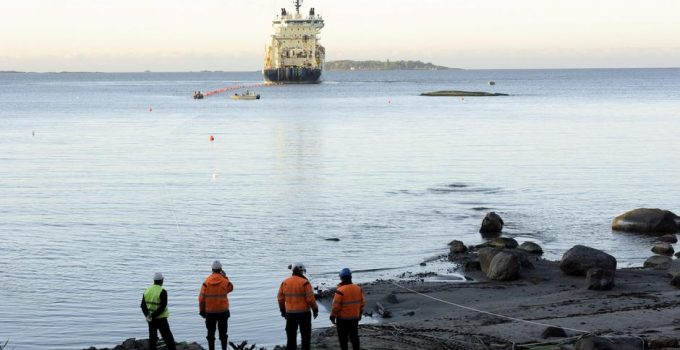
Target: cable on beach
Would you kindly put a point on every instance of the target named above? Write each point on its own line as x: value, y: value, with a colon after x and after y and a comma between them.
x: 487, y: 312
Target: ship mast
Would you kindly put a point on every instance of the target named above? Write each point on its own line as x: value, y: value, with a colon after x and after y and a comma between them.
x: 298, y: 4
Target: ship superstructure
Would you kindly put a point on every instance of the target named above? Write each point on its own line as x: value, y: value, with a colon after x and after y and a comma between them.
x: 294, y: 55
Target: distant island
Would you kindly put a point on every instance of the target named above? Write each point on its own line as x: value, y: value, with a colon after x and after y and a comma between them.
x: 382, y: 65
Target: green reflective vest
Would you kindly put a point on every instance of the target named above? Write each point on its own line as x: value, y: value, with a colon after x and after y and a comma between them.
x: 152, y: 297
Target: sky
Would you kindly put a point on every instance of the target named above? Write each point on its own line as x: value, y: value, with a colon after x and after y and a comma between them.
x: 230, y: 35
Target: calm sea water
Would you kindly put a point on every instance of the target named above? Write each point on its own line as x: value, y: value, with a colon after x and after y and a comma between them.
x: 120, y: 180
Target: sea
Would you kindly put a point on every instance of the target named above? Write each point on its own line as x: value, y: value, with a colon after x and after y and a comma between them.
x: 106, y: 179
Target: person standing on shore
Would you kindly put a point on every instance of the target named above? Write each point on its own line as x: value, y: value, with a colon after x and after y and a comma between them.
x: 213, y: 304
x: 296, y: 298
x: 348, y: 306
x: 155, y: 308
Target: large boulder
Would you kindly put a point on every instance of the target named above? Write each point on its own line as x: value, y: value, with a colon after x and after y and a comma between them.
x: 531, y: 248
x: 492, y: 224
x: 579, y: 259
x: 593, y: 342
x: 504, y: 266
x: 600, y: 279
x: 663, y: 249
x: 485, y: 257
x: 657, y: 262
x: 648, y: 221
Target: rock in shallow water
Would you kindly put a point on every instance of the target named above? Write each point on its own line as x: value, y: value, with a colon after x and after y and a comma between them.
x: 457, y: 247
x: 492, y: 224
x: 671, y: 238
x: 579, y: 259
x: 531, y: 247
x: 502, y: 242
x: 648, y: 221
x: 663, y: 249
x: 658, y: 262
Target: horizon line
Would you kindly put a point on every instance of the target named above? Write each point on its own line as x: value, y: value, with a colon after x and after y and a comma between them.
x: 9, y: 71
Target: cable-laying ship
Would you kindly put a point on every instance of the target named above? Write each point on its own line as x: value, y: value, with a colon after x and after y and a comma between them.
x: 294, y: 55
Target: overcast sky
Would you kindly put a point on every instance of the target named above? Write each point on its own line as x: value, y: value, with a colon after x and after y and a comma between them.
x: 174, y: 35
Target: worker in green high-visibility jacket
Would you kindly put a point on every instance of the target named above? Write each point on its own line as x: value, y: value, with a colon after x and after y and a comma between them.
x: 155, y: 309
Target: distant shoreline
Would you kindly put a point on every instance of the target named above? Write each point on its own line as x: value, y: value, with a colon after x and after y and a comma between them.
x: 253, y: 71
x: 352, y: 65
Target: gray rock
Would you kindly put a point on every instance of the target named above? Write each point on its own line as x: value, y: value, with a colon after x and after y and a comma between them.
x: 472, y: 265
x: 531, y: 247
x: 671, y: 238
x: 553, y: 332
x: 592, y: 342
x: 457, y: 247
x: 391, y: 298
x: 503, y: 242
x: 673, y: 268
x: 579, y: 259
x: 675, y: 281
x: 648, y: 221
x: 504, y: 266
x: 599, y: 279
x: 663, y: 249
x: 663, y: 342
x: 485, y: 257
x: 658, y: 262
x: 129, y: 344
x: 492, y: 223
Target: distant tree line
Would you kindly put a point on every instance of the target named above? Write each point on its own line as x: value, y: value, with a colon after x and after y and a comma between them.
x: 381, y: 65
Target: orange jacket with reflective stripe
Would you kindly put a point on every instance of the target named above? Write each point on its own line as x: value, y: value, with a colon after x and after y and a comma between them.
x: 296, y: 295
x: 348, y: 302
x: 213, y: 297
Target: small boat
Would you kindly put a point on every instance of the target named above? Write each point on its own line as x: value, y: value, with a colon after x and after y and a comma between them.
x: 248, y: 95
x: 198, y: 95
x: 492, y: 83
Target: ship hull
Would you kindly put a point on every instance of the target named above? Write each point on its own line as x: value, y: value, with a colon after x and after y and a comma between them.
x: 293, y: 75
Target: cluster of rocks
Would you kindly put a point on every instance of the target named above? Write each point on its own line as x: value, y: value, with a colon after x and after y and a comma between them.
x: 659, y: 223
x: 502, y: 258
x: 143, y: 344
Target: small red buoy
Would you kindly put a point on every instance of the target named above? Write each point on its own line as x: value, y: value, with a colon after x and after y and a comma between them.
x: 212, y: 138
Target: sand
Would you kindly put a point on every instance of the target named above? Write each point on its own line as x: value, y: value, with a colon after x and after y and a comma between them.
x: 642, y: 303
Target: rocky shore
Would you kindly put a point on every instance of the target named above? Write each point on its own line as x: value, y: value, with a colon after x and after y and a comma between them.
x: 514, y: 299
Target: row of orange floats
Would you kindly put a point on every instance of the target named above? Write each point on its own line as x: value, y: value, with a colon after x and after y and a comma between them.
x: 238, y: 87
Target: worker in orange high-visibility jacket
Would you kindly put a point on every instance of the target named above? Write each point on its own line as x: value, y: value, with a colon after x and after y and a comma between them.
x: 296, y: 299
x: 213, y: 304
x: 348, y: 306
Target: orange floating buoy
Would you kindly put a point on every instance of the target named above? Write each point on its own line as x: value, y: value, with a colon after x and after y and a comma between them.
x: 212, y: 138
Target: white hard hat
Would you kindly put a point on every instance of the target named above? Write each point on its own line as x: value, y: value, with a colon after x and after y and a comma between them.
x: 299, y: 266
x: 157, y: 276
x: 217, y: 265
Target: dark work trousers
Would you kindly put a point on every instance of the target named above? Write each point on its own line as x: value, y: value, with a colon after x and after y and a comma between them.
x: 160, y: 325
x: 304, y: 321
x: 219, y: 321
x: 348, y: 330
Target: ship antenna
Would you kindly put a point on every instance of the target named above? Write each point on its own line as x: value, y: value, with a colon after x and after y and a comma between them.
x: 298, y: 3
